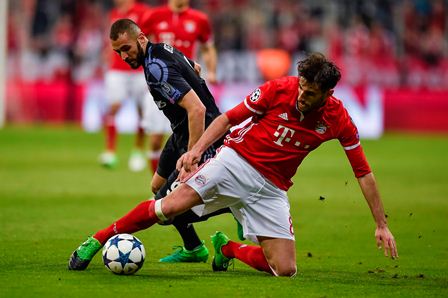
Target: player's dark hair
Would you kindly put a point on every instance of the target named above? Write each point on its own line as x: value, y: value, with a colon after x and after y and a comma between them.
x: 122, y: 26
x: 317, y: 69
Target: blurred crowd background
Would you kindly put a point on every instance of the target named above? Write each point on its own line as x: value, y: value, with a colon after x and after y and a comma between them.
x: 388, y: 43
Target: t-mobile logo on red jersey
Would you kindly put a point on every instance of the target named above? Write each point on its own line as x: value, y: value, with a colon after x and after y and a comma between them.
x: 284, y: 134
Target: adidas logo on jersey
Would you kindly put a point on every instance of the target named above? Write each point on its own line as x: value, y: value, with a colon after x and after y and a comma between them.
x: 284, y: 116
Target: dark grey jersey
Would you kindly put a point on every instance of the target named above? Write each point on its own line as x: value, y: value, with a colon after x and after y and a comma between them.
x: 170, y: 75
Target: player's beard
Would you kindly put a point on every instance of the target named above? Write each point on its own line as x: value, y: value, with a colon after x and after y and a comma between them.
x: 138, y: 61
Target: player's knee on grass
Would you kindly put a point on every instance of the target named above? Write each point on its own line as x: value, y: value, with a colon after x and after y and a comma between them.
x: 280, y: 255
x: 288, y: 270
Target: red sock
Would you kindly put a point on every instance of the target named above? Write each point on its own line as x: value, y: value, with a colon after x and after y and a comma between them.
x: 154, y: 164
x: 111, y: 134
x: 141, y: 217
x: 140, y: 138
x: 154, y: 157
x: 249, y: 254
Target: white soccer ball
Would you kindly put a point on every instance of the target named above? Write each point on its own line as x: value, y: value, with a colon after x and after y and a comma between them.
x: 123, y: 254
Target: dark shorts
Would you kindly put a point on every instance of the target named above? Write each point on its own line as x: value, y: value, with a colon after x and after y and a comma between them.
x: 169, y: 156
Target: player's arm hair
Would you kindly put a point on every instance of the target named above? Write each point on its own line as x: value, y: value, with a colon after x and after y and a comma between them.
x: 196, y: 116
x: 219, y: 127
x: 372, y: 195
x: 122, y: 26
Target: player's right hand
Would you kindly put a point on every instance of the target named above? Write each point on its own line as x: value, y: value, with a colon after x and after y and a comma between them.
x: 188, y: 161
x: 385, y: 240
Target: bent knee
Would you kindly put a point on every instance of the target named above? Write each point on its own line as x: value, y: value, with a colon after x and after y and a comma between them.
x: 289, y: 270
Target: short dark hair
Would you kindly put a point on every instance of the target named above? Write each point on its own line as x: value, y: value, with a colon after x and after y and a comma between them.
x: 317, y: 69
x: 122, y: 26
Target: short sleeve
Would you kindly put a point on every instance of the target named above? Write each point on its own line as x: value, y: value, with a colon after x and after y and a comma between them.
x: 259, y: 100
x: 349, y: 139
x: 168, y: 79
x: 176, y: 84
x: 348, y: 134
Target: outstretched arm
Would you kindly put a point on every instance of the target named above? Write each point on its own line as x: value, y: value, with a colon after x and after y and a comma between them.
x: 217, y: 129
x: 384, y: 237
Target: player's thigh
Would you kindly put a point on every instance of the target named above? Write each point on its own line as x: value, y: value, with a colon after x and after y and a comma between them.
x: 180, y: 200
x: 168, y: 158
x: 280, y: 254
x: 266, y: 213
x: 115, y: 83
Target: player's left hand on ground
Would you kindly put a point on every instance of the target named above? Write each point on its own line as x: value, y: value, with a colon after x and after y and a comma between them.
x: 385, y: 240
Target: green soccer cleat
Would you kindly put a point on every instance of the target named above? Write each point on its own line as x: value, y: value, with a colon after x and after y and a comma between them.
x: 183, y: 255
x: 81, y: 257
x: 220, y: 262
x: 108, y: 160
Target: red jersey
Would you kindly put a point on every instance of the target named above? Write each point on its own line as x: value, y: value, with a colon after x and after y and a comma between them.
x: 181, y: 30
x: 138, y: 13
x: 279, y: 136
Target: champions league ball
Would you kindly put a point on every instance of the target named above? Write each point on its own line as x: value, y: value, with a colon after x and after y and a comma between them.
x: 123, y: 254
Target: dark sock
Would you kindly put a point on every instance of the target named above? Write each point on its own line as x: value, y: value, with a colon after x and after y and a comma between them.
x: 183, y: 224
x: 188, y: 233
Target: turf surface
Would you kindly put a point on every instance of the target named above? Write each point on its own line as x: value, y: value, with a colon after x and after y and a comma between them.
x: 53, y: 195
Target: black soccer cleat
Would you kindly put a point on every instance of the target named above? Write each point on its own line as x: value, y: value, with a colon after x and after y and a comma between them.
x: 81, y: 257
x: 76, y: 263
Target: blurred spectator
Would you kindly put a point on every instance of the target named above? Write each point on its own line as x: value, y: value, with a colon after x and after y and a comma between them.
x: 404, y: 39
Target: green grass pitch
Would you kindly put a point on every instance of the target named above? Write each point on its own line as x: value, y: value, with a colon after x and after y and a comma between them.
x: 53, y: 194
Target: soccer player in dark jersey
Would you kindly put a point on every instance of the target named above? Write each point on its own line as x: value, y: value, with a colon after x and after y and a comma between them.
x: 182, y: 95
x: 252, y: 172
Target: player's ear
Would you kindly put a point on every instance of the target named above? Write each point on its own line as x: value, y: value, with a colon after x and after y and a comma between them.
x: 141, y: 38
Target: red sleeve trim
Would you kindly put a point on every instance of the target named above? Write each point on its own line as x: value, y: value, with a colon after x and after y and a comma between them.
x: 238, y: 114
x: 358, y: 161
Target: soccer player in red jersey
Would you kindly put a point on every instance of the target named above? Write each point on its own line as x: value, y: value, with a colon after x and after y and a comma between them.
x: 121, y: 83
x: 183, y: 27
x: 251, y: 173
